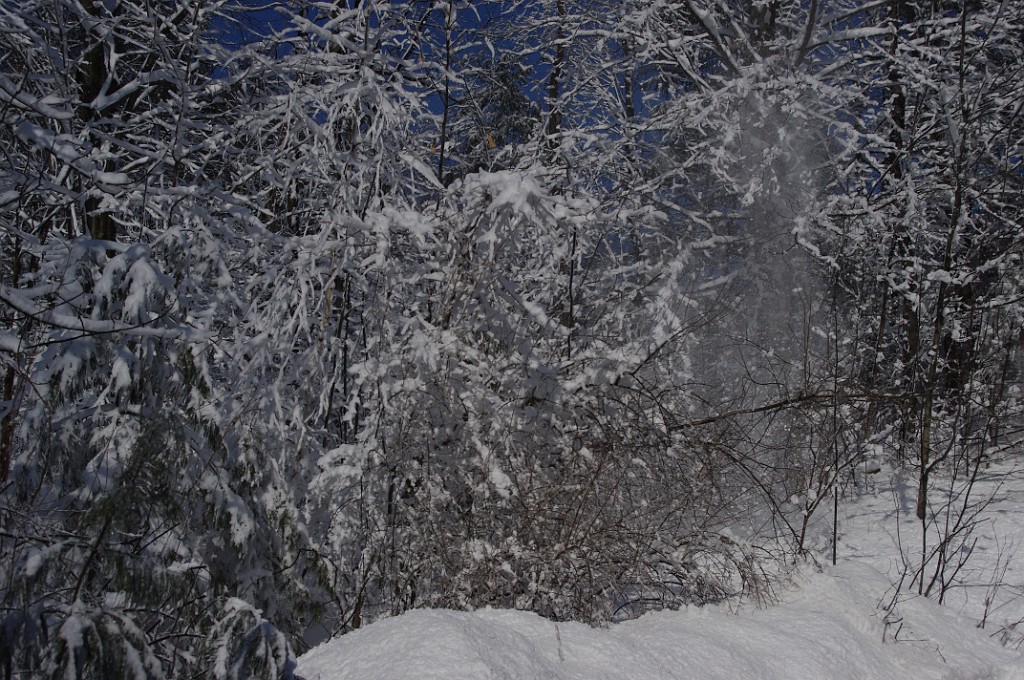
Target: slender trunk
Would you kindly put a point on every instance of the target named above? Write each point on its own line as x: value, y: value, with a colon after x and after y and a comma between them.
x: 7, y: 427
x: 554, y: 82
x: 7, y: 423
x: 835, y: 426
x: 901, y: 14
x: 92, y: 75
x: 943, y: 299
x: 570, y: 321
x: 446, y: 95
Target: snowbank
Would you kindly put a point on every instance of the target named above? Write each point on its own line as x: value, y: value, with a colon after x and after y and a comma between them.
x: 828, y: 626
x: 839, y: 623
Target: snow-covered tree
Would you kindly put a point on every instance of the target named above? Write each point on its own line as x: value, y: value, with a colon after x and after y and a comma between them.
x: 924, y: 239
x: 528, y: 304
x: 136, y: 501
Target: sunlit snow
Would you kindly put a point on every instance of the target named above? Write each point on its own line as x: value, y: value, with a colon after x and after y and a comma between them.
x: 845, y: 622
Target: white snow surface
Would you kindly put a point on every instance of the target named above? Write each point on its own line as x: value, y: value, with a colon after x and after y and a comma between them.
x: 828, y: 623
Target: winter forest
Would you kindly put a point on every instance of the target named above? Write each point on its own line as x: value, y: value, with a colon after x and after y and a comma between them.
x: 312, y: 313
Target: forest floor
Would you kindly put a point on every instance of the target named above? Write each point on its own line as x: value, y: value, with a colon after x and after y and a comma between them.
x: 850, y: 621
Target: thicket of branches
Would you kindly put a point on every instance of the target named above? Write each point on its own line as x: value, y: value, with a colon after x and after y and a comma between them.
x: 318, y: 312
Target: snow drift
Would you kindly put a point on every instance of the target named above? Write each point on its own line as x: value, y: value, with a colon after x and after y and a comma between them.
x: 827, y: 625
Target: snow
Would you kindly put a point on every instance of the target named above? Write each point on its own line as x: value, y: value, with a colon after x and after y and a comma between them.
x: 881, y: 530
x: 827, y: 626
x: 845, y: 622
x: 10, y: 343
x: 34, y: 562
x: 67, y: 150
x: 24, y: 304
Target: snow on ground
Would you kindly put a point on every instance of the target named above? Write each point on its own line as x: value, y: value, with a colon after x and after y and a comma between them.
x: 832, y: 622
x: 880, y: 530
